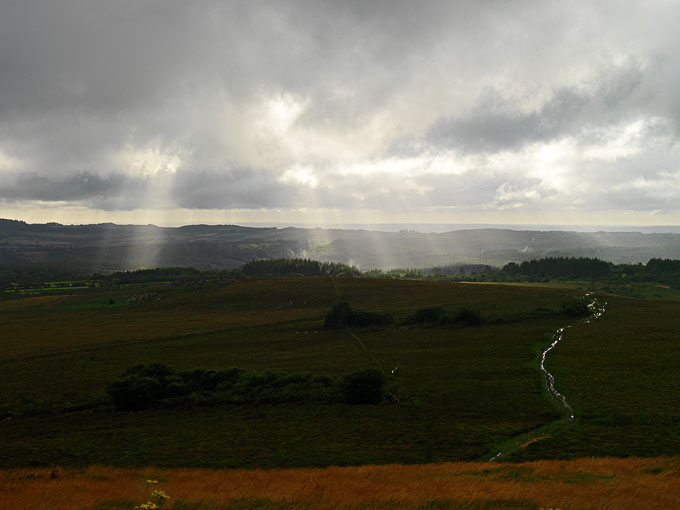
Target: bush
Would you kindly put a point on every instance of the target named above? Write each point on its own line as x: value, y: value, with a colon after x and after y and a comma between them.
x: 431, y: 314
x: 342, y: 315
x: 363, y: 319
x: 467, y: 317
x: 155, y: 385
x: 201, y: 379
x: 136, y: 393
x: 575, y: 308
x: 364, y: 387
x: 155, y: 370
x: 338, y: 316
x: 424, y: 315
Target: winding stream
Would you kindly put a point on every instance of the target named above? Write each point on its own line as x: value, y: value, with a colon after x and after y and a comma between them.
x: 597, y: 309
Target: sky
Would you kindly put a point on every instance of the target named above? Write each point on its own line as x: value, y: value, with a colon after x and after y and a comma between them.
x: 387, y: 111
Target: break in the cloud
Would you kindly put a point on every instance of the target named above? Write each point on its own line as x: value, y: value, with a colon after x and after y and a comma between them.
x: 371, y: 110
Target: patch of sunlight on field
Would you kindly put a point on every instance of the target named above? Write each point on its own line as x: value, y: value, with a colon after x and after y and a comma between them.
x: 30, y: 302
x: 624, y: 484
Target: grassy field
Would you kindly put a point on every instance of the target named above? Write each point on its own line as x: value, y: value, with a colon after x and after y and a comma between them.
x: 461, y: 391
x: 621, y: 484
x: 621, y: 374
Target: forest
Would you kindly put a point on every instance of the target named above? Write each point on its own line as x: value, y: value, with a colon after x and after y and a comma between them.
x: 26, y: 279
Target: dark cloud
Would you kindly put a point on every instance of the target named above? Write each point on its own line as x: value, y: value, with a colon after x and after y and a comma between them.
x: 82, y: 186
x: 488, y: 130
x: 164, y: 104
x: 113, y: 57
x: 500, y: 123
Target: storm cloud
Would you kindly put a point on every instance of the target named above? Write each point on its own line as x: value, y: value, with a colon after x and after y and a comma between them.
x: 378, y: 109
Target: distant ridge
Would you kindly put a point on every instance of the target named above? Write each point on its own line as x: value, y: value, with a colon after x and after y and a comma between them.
x: 108, y: 246
x: 438, y: 228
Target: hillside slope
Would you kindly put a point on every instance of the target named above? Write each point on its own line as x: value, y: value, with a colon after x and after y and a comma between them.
x: 109, y: 246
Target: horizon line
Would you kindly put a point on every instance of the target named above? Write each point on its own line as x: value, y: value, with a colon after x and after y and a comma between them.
x: 395, y: 226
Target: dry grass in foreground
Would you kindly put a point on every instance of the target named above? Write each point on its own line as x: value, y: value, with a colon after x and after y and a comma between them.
x: 577, y: 484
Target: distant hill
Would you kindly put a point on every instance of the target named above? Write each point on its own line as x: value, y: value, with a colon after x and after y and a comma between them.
x: 108, y: 246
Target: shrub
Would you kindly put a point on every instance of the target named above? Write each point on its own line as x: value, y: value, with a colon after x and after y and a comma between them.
x: 467, y: 317
x: 155, y: 370
x: 424, y: 315
x: 364, y: 387
x: 228, y: 378
x: 201, y: 379
x: 342, y: 315
x: 136, y: 393
x: 154, y: 385
x: 431, y: 314
x: 575, y: 308
x: 362, y: 319
x: 142, y: 386
x: 338, y: 316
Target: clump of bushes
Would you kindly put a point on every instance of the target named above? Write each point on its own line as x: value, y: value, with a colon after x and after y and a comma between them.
x: 342, y: 315
x: 425, y: 315
x: 575, y: 308
x: 141, y: 386
x: 436, y: 314
x: 364, y: 387
x: 156, y: 385
x: 467, y: 317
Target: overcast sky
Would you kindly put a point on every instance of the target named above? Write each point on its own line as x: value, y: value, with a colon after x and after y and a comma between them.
x: 175, y: 112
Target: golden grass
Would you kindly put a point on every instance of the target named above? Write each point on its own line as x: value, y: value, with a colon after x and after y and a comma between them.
x: 603, y: 483
x: 534, y: 440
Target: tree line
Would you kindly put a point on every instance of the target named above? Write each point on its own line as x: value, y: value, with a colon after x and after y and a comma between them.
x: 573, y: 267
x: 44, y: 278
x: 298, y: 267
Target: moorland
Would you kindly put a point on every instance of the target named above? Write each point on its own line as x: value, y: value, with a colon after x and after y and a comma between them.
x: 453, y: 390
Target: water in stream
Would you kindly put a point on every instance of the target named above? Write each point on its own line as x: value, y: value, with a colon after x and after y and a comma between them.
x: 596, y: 311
